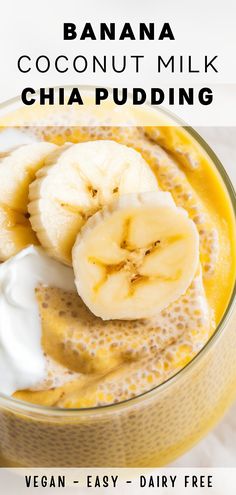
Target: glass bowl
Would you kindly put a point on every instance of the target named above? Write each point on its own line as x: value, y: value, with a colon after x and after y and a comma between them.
x: 150, y: 430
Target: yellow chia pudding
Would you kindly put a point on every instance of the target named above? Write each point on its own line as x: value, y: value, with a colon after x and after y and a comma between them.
x: 137, y: 228
x: 104, y: 362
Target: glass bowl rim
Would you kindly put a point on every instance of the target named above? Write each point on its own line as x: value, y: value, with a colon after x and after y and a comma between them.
x: 16, y: 405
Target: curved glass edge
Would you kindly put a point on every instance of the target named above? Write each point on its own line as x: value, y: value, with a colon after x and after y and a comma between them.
x: 16, y: 405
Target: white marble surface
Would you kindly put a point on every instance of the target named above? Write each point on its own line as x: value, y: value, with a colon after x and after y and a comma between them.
x: 218, y: 449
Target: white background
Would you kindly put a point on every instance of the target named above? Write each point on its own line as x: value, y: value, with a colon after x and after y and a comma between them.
x: 199, y: 28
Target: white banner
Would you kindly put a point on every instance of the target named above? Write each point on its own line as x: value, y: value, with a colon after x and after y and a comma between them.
x: 176, y: 481
x: 189, y: 67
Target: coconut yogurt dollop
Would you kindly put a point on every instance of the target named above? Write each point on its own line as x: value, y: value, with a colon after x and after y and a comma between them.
x: 22, y: 361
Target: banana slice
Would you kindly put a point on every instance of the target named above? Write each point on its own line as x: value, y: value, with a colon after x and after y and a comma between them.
x: 17, y: 170
x: 80, y: 181
x: 135, y: 257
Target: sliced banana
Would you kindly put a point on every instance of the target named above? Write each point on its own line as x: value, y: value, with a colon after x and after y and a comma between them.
x: 80, y: 181
x: 17, y: 169
x: 15, y: 232
x: 135, y: 257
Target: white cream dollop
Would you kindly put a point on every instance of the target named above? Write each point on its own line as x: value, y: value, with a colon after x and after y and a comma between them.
x: 12, y: 138
x: 22, y: 361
